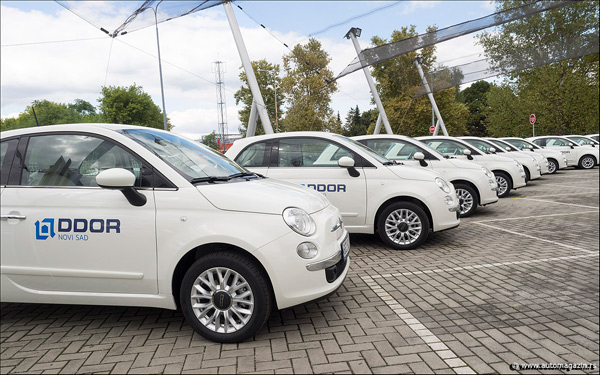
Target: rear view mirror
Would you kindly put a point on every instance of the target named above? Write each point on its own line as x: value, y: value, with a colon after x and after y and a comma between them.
x: 492, y: 150
x: 421, y: 158
x: 467, y: 152
x: 121, y: 179
x: 348, y: 163
x: 507, y: 148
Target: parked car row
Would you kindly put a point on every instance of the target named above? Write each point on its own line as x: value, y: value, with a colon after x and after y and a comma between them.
x: 123, y: 215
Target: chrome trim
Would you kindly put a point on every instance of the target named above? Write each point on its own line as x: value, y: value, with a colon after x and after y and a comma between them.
x: 337, y: 226
x: 13, y: 217
x: 321, y: 265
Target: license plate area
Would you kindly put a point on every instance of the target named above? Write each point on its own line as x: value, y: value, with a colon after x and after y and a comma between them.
x: 346, y: 247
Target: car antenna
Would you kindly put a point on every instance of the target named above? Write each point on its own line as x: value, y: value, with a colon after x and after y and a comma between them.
x: 34, y: 115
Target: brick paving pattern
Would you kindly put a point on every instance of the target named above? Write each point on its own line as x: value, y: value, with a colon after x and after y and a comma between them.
x: 516, y: 283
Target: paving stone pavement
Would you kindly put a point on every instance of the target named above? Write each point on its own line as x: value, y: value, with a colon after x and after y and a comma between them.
x: 516, y: 283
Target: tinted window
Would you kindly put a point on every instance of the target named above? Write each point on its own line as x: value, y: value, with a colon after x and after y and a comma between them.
x: 446, y: 147
x: 553, y: 142
x: 483, y: 146
x: 5, y: 162
x: 74, y: 160
x: 254, y: 156
x: 540, y: 142
x: 310, y: 152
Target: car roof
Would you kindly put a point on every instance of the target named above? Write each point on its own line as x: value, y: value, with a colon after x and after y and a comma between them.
x: 72, y: 127
x: 381, y: 136
x: 257, y: 138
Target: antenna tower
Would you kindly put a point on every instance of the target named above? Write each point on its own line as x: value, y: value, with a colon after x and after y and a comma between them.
x: 222, y: 133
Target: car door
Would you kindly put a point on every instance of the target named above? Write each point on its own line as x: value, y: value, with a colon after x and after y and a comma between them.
x: 313, y: 162
x: 561, y: 145
x: 61, y: 232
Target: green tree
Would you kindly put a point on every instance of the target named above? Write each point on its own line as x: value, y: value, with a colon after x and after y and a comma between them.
x: 475, y: 98
x: 397, y: 83
x: 563, y: 95
x: 211, y: 140
x: 130, y: 105
x: 51, y: 113
x: 307, y: 87
x: 267, y: 76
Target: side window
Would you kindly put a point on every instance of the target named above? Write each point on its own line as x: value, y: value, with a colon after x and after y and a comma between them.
x: 310, y: 152
x: 379, y: 145
x: 257, y: 155
x: 540, y: 142
x: 556, y: 142
x: 75, y: 160
x: 4, y: 161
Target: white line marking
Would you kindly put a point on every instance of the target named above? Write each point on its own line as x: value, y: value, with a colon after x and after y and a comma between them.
x: 567, y: 204
x: 538, y: 239
x: 570, y: 186
x: 534, y: 217
x: 559, y: 195
x: 445, y: 353
x: 489, y: 265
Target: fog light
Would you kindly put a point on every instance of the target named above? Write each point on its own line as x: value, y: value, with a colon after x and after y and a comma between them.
x: 492, y: 183
x: 448, y: 200
x: 307, y: 250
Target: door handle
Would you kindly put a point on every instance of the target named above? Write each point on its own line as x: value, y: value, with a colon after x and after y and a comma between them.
x: 15, y: 217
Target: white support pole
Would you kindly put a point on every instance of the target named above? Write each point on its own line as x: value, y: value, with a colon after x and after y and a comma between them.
x: 378, y: 125
x: 239, y: 41
x: 251, y: 129
x: 352, y: 35
x: 440, y: 121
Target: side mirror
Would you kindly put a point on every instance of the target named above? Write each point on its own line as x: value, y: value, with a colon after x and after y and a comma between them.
x: 421, y: 158
x: 467, y: 152
x: 507, y: 148
x: 492, y: 150
x: 348, y: 163
x: 571, y: 144
x: 121, y: 179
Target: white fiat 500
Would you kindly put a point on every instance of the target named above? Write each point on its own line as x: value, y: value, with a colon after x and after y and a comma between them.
x: 583, y: 140
x: 509, y: 173
x: 374, y: 194
x: 123, y: 215
x: 595, y: 137
x: 530, y: 165
x: 539, y: 159
x: 577, y: 156
x: 556, y: 160
x: 475, y: 185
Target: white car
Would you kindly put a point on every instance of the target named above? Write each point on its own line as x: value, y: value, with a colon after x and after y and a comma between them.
x: 583, y: 140
x: 539, y: 159
x: 475, y: 185
x: 532, y: 168
x: 595, y: 137
x: 509, y: 173
x: 556, y: 160
x: 108, y: 214
x: 577, y: 156
x: 374, y: 194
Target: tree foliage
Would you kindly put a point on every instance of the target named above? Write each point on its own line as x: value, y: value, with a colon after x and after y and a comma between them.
x: 475, y: 98
x: 211, y: 141
x: 358, y: 123
x: 130, y: 105
x: 308, y: 86
x: 267, y: 76
x: 563, y: 95
x: 398, y: 81
x: 51, y: 113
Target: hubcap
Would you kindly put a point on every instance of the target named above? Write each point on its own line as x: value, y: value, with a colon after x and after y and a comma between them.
x: 466, y: 200
x: 551, y: 167
x: 403, y: 226
x: 222, y: 300
x: 502, y: 185
x: 587, y: 163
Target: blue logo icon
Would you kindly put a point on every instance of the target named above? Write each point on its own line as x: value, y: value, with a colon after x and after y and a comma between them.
x: 44, y: 229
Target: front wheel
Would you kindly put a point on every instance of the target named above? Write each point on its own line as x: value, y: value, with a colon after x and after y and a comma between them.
x: 552, y: 166
x: 504, y: 184
x: 403, y: 225
x: 587, y: 162
x: 225, y: 298
x: 468, y: 199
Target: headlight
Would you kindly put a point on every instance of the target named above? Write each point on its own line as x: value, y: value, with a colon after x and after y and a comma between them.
x: 299, y: 221
x: 487, y: 172
x: 442, y: 185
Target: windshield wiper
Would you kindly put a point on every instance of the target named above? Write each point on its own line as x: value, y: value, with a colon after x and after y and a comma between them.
x: 209, y: 179
x: 392, y: 162
x: 244, y: 174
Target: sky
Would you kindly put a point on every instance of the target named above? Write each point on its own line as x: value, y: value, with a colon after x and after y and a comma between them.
x: 48, y: 52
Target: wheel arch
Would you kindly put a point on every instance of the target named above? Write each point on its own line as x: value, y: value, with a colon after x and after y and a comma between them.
x: 403, y: 198
x: 472, y: 185
x: 196, y: 253
x: 505, y: 173
x: 591, y: 156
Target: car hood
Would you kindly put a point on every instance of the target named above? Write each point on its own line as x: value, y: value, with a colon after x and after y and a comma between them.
x: 266, y: 196
x: 414, y: 173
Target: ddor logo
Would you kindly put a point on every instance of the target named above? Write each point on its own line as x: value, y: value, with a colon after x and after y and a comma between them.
x: 45, y: 228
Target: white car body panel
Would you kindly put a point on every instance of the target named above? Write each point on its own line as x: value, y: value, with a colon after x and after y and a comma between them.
x: 135, y: 267
x: 491, y: 162
x: 557, y: 156
x: 359, y: 198
x: 572, y: 153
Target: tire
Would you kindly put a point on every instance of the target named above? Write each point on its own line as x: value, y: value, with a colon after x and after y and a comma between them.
x: 215, y: 301
x: 403, y: 225
x: 527, y: 175
x: 468, y: 199
x: 504, y: 184
x: 587, y: 162
x: 552, y: 166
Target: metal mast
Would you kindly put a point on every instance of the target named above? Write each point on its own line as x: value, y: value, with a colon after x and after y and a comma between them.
x: 219, y: 69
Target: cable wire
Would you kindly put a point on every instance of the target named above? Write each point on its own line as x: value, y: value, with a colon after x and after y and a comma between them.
x: 49, y: 42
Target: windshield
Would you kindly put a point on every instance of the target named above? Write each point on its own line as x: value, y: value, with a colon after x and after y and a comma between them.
x: 582, y: 140
x: 371, y: 153
x: 400, y: 149
x: 190, y: 159
x: 483, y: 145
x: 448, y: 147
x: 503, y: 145
x: 521, y: 144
